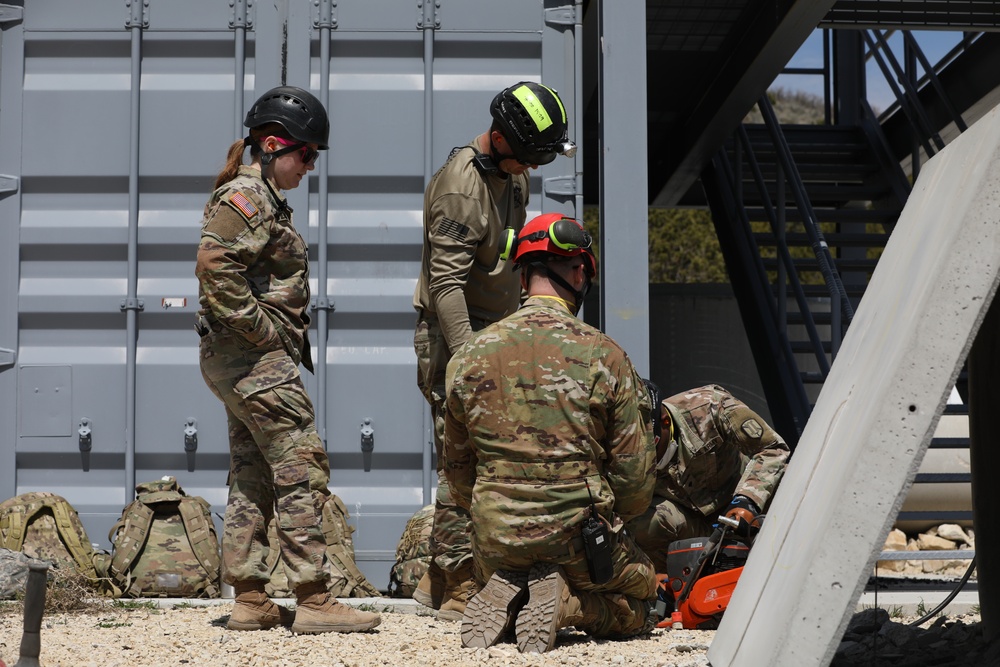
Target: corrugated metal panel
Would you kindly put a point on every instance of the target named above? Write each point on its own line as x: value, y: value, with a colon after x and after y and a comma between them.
x: 66, y: 86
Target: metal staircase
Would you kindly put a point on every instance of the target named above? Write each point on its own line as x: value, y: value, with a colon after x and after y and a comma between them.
x: 803, y: 212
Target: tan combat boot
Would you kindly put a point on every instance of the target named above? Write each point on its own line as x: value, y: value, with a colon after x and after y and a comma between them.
x: 491, y: 612
x: 254, y: 610
x: 430, y: 590
x: 317, y: 611
x: 552, y: 604
x: 459, y: 587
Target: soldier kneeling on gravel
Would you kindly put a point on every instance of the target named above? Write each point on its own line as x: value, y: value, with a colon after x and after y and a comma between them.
x: 715, y: 456
x: 548, y: 443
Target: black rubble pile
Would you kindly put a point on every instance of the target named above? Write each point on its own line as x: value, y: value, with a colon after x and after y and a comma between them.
x: 872, y: 639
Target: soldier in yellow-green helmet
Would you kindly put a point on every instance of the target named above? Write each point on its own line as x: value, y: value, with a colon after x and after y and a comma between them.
x: 477, y: 197
x: 715, y: 456
x: 253, y: 278
x: 549, y: 444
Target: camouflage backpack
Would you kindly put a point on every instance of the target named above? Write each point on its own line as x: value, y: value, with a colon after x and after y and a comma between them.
x: 45, y: 526
x: 413, y: 555
x: 346, y: 580
x: 165, y: 545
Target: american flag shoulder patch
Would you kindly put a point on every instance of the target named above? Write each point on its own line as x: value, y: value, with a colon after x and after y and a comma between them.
x: 244, y: 205
x: 454, y: 229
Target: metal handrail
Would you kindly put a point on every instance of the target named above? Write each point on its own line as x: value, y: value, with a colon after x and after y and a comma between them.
x: 911, y: 45
x: 906, y: 99
x: 820, y: 248
x: 956, y: 554
x: 786, y: 256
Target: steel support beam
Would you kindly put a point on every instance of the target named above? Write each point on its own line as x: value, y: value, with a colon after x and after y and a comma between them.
x: 624, y: 261
x: 759, y: 52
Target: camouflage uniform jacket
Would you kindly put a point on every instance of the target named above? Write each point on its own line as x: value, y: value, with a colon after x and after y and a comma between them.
x: 253, y: 269
x: 461, y: 274
x: 542, y: 406
x: 724, y: 449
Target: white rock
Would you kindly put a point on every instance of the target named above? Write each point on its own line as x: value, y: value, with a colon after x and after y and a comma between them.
x: 896, y: 541
x: 928, y: 542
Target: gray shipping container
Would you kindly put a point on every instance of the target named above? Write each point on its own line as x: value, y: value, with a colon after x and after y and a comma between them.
x: 115, y: 117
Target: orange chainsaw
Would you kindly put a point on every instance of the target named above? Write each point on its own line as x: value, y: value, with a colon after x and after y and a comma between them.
x: 700, y: 579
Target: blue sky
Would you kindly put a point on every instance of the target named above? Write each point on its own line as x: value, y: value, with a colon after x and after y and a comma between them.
x: 934, y: 44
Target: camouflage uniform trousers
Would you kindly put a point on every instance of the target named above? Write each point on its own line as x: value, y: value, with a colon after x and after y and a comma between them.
x: 277, y: 462
x: 664, y: 522
x: 450, y: 545
x: 622, y: 604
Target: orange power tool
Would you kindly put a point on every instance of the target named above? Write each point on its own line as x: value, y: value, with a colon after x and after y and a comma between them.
x: 700, y: 579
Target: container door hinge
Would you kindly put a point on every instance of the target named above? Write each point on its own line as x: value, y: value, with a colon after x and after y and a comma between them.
x: 9, y: 185
x: 6, y: 357
x: 560, y: 186
x: 10, y: 14
x: 428, y: 14
x: 565, y: 15
x: 138, y: 14
x: 326, y: 14
x: 241, y: 16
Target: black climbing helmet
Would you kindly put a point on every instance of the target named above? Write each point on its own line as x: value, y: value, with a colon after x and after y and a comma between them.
x: 532, y: 119
x: 297, y: 110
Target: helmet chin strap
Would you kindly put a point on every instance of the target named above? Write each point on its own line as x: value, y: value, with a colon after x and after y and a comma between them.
x: 578, y: 294
x: 265, y: 163
x: 498, y: 157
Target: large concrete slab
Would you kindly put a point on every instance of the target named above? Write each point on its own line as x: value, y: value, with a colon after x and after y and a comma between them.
x: 875, y: 415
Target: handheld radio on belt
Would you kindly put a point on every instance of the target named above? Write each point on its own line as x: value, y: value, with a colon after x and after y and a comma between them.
x: 597, y: 546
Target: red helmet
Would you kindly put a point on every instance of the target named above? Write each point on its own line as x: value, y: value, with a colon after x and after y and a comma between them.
x: 554, y: 234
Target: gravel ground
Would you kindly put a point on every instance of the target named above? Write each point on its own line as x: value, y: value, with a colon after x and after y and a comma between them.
x: 145, y: 637
x: 141, y: 636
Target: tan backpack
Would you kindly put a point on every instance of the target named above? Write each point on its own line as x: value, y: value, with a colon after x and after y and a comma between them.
x: 165, y: 545
x: 45, y: 526
x: 346, y: 580
x: 413, y: 555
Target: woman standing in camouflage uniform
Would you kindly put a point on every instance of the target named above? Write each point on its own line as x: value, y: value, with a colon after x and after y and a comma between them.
x: 253, y: 275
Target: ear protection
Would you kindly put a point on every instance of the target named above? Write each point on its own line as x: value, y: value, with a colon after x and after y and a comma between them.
x: 564, y: 234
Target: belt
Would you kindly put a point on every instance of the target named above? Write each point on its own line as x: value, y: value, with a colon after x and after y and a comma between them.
x: 574, y: 547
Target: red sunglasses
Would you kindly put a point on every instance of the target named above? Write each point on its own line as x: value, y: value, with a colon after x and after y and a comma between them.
x: 308, y: 155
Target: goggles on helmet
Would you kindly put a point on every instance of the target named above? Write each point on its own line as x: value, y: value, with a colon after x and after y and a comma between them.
x: 565, y: 234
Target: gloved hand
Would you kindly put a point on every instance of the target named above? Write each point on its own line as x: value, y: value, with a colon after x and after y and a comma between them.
x: 747, y: 513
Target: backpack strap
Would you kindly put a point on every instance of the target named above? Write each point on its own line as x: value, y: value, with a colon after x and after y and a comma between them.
x: 12, y: 527
x: 70, y: 529
x: 337, y: 531
x: 132, y: 532
x: 200, y: 531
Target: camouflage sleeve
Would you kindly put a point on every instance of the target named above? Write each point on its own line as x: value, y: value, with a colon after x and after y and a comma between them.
x: 230, y: 242
x: 623, y: 402
x: 455, y: 225
x: 767, y: 450
x: 459, y: 455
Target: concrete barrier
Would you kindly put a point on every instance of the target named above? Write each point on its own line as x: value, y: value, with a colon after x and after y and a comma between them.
x: 875, y: 415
